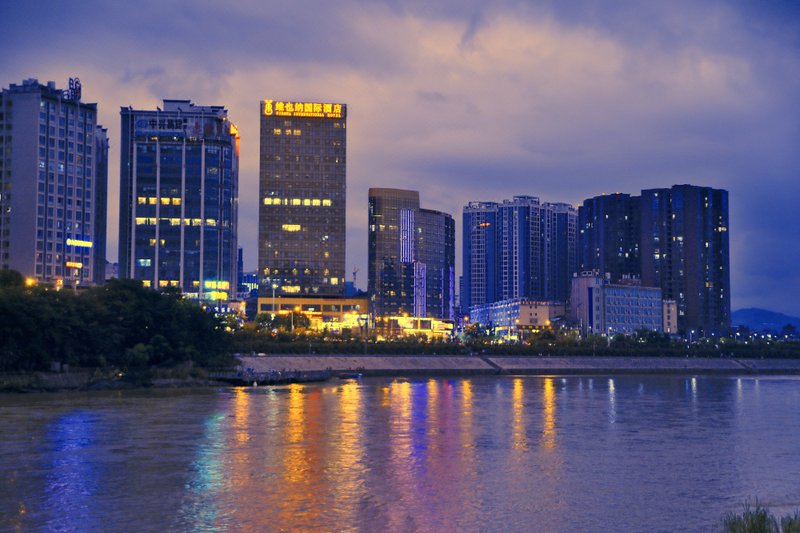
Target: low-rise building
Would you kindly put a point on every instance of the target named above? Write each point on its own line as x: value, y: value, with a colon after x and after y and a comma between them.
x: 512, y: 319
x: 606, y: 308
x: 333, y: 313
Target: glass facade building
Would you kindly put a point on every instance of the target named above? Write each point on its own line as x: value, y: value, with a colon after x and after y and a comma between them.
x: 179, y: 199
x: 411, y: 256
x: 53, y: 184
x: 302, y: 191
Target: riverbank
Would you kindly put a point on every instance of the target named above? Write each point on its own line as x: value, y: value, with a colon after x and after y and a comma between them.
x: 282, y: 369
x: 400, y: 365
x: 89, y: 380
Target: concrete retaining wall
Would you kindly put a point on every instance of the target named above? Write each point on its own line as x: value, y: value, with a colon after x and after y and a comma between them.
x: 444, y: 364
x: 374, y: 365
x: 631, y: 365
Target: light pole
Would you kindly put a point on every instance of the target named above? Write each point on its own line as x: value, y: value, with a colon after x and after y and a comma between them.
x: 274, y: 286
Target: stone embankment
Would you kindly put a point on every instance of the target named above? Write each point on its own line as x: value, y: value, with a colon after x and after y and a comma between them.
x: 389, y: 365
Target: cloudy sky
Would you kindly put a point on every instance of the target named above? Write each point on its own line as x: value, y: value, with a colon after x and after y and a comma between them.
x: 471, y: 100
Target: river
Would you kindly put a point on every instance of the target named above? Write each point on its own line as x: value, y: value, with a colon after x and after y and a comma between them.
x: 588, y: 453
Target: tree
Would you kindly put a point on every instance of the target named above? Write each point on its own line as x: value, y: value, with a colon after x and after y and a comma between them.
x: 11, y: 279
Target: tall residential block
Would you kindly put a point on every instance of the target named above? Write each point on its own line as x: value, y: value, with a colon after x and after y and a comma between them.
x: 608, y: 235
x: 302, y: 191
x: 411, y: 256
x: 519, y: 248
x: 685, y: 250
x: 478, y: 232
x: 179, y: 174
x: 53, y: 183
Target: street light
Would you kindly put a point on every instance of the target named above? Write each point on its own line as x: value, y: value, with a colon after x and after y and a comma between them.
x: 274, y: 286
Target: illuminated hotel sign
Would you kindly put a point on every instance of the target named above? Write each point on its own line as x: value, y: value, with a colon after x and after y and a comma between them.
x: 303, y: 109
x: 79, y: 243
x: 74, y: 264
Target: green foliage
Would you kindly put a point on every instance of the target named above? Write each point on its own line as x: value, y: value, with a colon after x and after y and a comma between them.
x: 755, y: 518
x: 10, y: 279
x: 477, y: 336
x: 121, y: 325
x: 791, y: 523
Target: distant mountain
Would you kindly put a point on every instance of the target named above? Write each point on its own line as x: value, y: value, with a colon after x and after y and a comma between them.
x: 762, y: 320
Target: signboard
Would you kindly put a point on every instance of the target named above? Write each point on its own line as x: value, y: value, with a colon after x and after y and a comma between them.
x: 74, y: 91
x: 192, y: 127
x: 283, y: 108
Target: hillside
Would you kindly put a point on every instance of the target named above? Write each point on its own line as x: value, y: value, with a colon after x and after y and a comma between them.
x: 762, y: 319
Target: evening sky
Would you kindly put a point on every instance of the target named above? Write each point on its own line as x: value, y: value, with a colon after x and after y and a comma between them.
x: 471, y: 100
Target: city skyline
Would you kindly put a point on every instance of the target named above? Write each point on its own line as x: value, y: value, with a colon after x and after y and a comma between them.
x: 467, y: 102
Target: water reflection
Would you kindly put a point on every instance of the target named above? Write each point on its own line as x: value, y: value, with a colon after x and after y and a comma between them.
x: 549, y: 423
x: 612, y: 401
x: 303, y: 489
x: 472, y: 454
x: 518, y: 437
x: 74, y: 477
x: 347, y: 462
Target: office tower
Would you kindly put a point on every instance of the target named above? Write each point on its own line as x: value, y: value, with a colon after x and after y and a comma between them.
x: 685, y: 251
x: 179, y: 177
x: 519, y: 248
x: 53, y: 173
x: 302, y: 183
x: 411, y: 256
x: 608, y: 236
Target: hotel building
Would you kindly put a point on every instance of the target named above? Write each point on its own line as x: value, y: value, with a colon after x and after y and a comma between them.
x: 302, y: 191
x: 53, y: 183
x: 179, y: 177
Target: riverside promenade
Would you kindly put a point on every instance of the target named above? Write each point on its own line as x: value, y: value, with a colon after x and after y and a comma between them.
x: 403, y: 365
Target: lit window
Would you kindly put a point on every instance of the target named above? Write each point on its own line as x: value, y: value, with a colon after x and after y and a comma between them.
x: 291, y: 227
x: 316, y: 202
x: 296, y: 201
x: 326, y: 203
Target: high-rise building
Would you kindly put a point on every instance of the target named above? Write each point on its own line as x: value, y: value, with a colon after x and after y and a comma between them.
x: 411, y: 256
x: 53, y: 182
x: 479, y: 279
x: 302, y: 183
x: 685, y: 251
x: 520, y: 248
x: 608, y: 235
x: 179, y: 178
